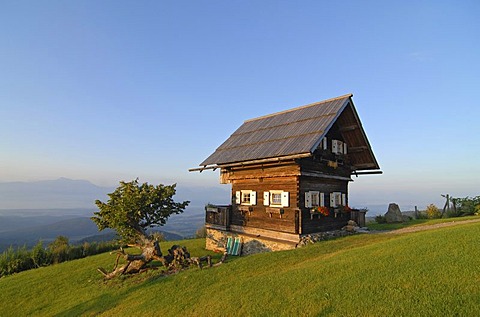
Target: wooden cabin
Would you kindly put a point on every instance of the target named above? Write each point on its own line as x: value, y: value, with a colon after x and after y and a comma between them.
x: 289, y: 173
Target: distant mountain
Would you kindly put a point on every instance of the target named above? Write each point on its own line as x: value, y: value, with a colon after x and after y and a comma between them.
x: 113, y: 236
x: 60, y: 193
x: 78, y: 230
x: 74, y: 228
x: 66, y: 193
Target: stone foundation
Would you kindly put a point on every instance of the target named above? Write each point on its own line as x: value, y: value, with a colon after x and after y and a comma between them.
x: 217, y: 240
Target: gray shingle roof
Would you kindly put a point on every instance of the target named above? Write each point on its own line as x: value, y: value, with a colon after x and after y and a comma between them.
x: 291, y: 132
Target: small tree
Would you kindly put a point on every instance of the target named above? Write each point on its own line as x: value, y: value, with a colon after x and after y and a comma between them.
x: 130, y: 210
x: 433, y: 212
x: 40, y: 256
x: 59, y: 249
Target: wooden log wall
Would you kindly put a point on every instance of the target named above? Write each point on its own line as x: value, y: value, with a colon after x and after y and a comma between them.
x: 264, y: 179
x: 320, y: 223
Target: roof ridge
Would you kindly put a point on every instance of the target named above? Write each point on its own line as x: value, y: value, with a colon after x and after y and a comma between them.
x: 298, y: 108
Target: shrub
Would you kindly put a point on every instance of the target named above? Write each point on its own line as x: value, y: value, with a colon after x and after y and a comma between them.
x: 20, y: 259
x: 433, y: 212
x: 422, y: 215
x: 59, y: 249
x: 380, y: 219
x: 201, y: 232
x: 14, y: 261
x: 468, y: 206
x: 40, y: 256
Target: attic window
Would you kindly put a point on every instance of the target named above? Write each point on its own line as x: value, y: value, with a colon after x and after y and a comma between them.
x: 339, y: 147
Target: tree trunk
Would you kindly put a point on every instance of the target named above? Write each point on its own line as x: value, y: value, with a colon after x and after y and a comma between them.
x: 136, y: 263
x: 176, y: 259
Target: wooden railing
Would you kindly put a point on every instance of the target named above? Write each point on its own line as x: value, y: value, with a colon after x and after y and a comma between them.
x: 218, y: 216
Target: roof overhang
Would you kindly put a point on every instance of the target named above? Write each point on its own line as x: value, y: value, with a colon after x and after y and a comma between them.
x: 251, y: 162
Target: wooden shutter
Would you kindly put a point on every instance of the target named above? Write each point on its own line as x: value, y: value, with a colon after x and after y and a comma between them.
x: 344, y: 200
x: 334, y: 146
x: 344, y: 148
x: 332, y: 200
x: 325, y: 143
x: 308, y: 200
x: 285, y: 199
x: 253, y: 198
x: 266, y: 198
x: 322, y: 199
x: 238, y: 197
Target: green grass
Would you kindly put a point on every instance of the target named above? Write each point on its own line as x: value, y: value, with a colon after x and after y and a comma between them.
x: 415, y: 222
x: 430, y: 273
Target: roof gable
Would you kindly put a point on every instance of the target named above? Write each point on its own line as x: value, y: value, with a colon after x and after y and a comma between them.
x: 292, y: 132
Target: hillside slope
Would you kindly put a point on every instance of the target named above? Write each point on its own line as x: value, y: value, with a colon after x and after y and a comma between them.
x: 430, y: 273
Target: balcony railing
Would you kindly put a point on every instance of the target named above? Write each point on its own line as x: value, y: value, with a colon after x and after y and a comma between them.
x: 218, y: 216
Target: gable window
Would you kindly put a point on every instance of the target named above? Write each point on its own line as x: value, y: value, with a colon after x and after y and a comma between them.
x: 314, y: 199
x: 276, y: 198
x: 339, y: 147
x: 246, y: 197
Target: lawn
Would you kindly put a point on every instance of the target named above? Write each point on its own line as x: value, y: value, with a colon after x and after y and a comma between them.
x: 428, y: 273
x: 415, y: 222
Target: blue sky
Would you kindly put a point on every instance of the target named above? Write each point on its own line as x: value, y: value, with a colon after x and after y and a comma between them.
x: 114, y: 90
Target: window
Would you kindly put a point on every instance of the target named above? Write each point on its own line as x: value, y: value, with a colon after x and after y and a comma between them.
x: 339, y: 147
x: 337, y: 199
x: 246, y: 197
x: 314, y: 199
x: 276, y: 198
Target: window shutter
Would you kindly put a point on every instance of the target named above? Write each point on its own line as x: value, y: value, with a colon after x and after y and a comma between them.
x: 344, y: 148
x: 344, y: 200
x: 285, y: 199
x: 253, y: 198
x: 332, y: 200
x: 322, y: 199
x: 266, y: 198
x: 325, y: 143
x: 308, y: 200
x: 334, y: 146
x: 238, y: 197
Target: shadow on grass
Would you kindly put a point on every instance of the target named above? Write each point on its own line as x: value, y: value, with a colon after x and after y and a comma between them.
x: 94, y: 306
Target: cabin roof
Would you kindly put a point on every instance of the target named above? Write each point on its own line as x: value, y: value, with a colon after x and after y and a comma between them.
x: 292, y: 133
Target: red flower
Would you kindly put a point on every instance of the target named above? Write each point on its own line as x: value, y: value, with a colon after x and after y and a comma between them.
x: 322, y: 210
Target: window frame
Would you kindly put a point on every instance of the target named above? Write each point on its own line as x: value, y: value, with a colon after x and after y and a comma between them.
x: 252, y: 197
x: 336, y: 199
x: 309, y: 203
x: 275, y: 192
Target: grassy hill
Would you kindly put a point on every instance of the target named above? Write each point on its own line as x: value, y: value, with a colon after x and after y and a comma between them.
x: 428, y: 273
